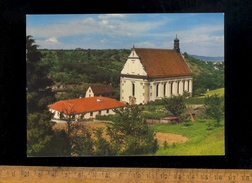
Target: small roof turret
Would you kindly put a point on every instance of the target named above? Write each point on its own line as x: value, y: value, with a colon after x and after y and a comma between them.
x: 176, y: 39
x: 176, y: 44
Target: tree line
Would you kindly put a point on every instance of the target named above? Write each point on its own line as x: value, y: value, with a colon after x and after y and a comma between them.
x: 104, y: 66
x: 205, y: 77
x: 88, y: 66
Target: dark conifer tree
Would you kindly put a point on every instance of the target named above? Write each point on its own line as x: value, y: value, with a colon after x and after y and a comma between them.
x: 39, y: 96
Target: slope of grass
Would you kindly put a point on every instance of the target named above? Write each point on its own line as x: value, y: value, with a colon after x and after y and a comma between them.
x: 219, y: 92
x: 201, y: 141
x: 201, y: 99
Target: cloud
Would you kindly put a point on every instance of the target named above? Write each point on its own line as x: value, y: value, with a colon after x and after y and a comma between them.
x: 145, y: 45
x: 52, y: 40
x: 121, y: 30
x: 103, y: 40
x: 109, y: 16
x: 53, y: 43
x: 108, y: 24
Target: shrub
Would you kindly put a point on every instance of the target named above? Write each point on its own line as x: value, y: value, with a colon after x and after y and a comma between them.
x: 165, y: 144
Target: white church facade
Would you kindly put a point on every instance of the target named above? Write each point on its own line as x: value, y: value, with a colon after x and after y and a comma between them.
x: 151, y: 74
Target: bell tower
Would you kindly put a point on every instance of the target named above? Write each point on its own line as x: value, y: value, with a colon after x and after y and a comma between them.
x: 176, y: 44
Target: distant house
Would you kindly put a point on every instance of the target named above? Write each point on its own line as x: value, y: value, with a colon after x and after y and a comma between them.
x: 169, y: 119
x: 100, y: 90
x: 150, y: 74
x: 85, y: 108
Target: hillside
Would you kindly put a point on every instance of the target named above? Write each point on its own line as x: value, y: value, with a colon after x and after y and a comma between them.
x: 81, y: 68
x: 211, y: 59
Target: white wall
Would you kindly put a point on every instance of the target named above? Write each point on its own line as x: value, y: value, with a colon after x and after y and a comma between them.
x: 127, y: 87
x: 89, y: 93
x: 164, y: 89
x: 133, y: 66
x: 86, y: 116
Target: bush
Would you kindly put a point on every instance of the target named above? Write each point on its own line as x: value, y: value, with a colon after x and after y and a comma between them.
x: 108, y: 117
x: 154, y: 115
x: 165, y: 144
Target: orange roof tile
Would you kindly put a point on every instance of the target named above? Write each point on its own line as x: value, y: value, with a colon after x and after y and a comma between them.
x: 82, y: 105
x: 163, y: 62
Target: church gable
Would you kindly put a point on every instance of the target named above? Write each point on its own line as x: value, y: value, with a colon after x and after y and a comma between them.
x: 133, y: 65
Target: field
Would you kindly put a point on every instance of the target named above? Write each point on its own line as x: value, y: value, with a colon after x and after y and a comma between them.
x: 191, y: 140
x: 161, y: 137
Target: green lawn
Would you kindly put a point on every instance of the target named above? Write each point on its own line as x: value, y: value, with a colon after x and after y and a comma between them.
x: 201, y: 141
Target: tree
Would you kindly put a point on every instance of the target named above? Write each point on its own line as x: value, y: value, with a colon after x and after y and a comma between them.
x: 214, y: 107
x: 82, y: 144
x: 78, y: 141
x: 39, y: 95
x: 176, y: 105
x: 102, y: 146
x: 130, y: 134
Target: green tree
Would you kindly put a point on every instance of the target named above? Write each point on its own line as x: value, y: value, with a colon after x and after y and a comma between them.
x: 130, y: 134
x: 39, y: 95
x: 176, y: 105
x: 102, y: 146
x: 78, y: 138
x: 82, y: 144
x: 214, y: 107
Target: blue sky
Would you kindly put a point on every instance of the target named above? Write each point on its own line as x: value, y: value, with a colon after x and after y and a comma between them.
x: 199, y: 33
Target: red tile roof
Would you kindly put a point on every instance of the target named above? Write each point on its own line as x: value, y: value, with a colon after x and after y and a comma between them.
x: 163, y: 62
x: 82, y: 105
x: 100, y: 89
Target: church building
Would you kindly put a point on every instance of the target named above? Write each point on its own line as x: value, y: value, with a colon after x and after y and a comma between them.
x: 150, y: 74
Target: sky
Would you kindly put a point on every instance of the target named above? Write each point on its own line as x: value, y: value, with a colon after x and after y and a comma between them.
x: 198, y: 33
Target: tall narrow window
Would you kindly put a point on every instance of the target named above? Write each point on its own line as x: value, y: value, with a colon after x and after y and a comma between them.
x: 157, y: 90
x: 133, y: 89
x: 171, y: 88
x: 178, y: 87
x: 164, y: 89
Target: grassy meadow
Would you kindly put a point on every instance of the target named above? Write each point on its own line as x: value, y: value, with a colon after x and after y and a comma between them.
x: 201, y: 99
x: 200, y: 140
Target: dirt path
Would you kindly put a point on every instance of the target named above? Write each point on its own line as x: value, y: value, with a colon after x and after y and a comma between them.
x: 161, y: 137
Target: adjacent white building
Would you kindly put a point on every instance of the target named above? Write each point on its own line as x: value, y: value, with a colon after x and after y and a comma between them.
x: 85, y: 108
x: 151, y: 74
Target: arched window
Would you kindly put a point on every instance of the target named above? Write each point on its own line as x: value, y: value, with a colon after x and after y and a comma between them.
x: 157, y: 90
